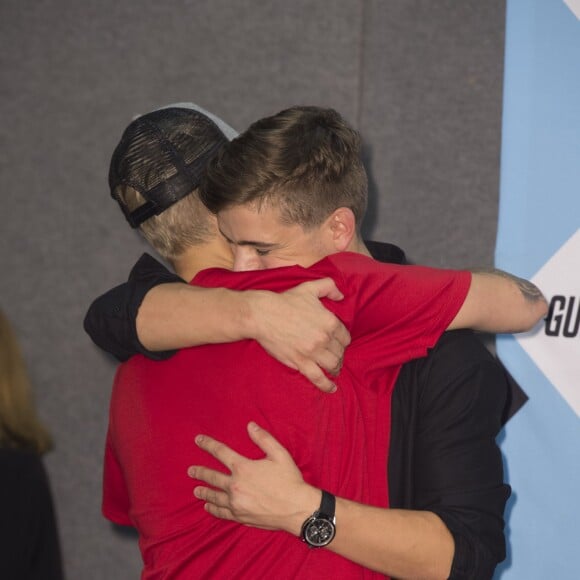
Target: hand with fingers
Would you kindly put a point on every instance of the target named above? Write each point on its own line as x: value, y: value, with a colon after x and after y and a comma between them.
x: 296, y: 329
x: 267, y: 493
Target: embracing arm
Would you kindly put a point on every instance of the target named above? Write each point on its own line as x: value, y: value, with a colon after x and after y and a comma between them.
x: 500, y: 302
x: 292, y: 326
x: 400, y: 543
x: 156, y: 311
x: 110, y: 319
x: 270, y: 493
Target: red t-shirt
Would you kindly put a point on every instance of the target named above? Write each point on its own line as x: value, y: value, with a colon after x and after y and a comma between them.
x: 339, y: 441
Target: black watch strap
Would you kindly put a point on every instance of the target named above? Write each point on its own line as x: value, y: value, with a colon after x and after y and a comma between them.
x: 320, y: 528
x: 327, y: 505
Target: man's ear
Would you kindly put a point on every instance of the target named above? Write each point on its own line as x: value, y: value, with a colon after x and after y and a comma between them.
x: 342, y: 228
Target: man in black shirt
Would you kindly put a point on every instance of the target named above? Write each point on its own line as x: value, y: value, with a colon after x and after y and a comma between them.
x: 446, y: 413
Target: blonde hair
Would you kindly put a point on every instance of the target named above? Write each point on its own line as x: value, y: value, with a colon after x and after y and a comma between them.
x: 20, y: 426
x: 184, y: 224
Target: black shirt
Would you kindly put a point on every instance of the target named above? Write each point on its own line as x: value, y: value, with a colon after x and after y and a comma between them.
x: 29, y: 544
x: 446, y: 413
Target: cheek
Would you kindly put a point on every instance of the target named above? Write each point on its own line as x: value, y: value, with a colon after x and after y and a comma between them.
x: 227, y: 247
x: 267, y: 262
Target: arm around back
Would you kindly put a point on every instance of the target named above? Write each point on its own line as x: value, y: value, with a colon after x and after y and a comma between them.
x: 155, y: 313
x: 499, y: 302
x: 111, y: 318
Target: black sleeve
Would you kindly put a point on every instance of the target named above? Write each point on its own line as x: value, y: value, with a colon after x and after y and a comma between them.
x: 111, y: 318
x: 446, y: 414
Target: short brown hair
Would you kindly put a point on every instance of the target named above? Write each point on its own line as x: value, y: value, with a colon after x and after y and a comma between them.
x: 304, y: 160
x: 182, y: 225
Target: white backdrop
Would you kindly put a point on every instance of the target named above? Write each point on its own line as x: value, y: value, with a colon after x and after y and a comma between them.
x: 539, y: 238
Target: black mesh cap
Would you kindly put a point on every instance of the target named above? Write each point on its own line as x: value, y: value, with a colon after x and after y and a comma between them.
x: 162, y: 155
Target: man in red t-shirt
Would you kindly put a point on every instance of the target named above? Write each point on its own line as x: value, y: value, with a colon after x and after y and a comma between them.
x: 393, y: 314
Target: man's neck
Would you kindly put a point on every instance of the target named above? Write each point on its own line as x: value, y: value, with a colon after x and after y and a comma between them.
x: 201, y: 257
x: 358, y: 246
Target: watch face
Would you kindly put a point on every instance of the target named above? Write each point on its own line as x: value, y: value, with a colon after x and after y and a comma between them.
x: 319, y: 532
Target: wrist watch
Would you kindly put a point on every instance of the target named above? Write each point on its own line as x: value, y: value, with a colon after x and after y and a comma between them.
x: 320, y: 528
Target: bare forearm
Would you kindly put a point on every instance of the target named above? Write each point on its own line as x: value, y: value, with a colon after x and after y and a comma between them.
x: 400, y: 543
x: 270, y: 493
x: 177, y: 315
x: 294, y: 327
x: 500, y: 302
x: 404, y: 544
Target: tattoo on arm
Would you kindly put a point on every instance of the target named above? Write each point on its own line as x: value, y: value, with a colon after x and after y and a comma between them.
x: 529, y: 291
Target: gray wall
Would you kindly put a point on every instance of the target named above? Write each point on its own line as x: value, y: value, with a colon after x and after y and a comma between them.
x: 422, y: 81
